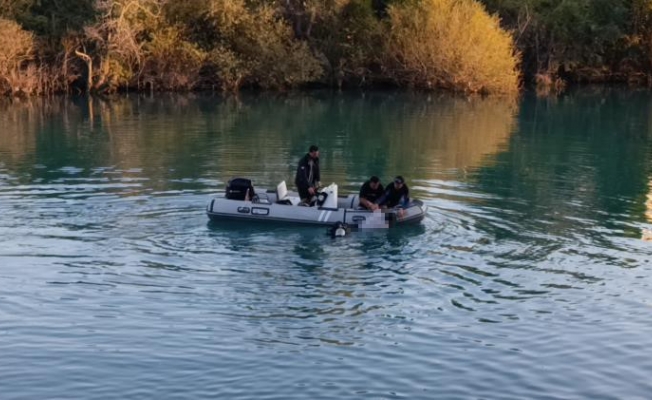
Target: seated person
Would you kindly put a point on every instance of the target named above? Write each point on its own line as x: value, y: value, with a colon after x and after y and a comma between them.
x: 396, y: 194
x: 370, y: 192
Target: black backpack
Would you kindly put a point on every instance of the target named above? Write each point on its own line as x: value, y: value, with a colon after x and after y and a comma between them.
x: 239, y: 188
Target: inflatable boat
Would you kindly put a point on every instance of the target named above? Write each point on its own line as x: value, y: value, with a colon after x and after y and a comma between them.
x: 279, y: 205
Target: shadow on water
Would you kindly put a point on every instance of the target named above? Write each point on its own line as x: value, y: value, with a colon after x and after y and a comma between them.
x: 335, y: 285
x: 312, y: 245
x: 300, y: 286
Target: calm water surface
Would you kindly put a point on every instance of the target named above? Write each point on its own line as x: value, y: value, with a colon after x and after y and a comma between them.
x: 529, y: 277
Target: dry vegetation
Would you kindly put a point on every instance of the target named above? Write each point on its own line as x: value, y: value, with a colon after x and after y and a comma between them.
x: 453, y: 44
x: 17, y: 70
x: 231, y: 44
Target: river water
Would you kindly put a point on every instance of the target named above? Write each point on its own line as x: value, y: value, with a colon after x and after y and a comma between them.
x: 529, y: 277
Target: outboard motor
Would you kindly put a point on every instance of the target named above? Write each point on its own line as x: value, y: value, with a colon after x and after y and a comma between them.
x: 240, y: 189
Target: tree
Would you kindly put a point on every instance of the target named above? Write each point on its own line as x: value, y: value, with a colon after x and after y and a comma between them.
x: 170, y: 61
x: 115, y: 42
x: 453, y: 44
x: 16, y: 50
x: 564, y: 37
x: 248, y: 45
x: 53, y: 19
x: 350, y: 37
x: 13, y: 9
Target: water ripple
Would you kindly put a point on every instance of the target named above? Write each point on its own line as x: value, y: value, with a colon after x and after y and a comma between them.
x: 527, y: 279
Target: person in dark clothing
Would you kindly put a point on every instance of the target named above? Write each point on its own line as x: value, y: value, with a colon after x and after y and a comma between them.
x: 307, y: 177
x: 397, y: 193
x: 370, y: 192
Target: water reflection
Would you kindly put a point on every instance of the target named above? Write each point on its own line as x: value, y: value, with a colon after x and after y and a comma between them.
x: 170, y: 137
x: 549, y: 176
x: 648, y: 202
x: 646, y: 234
x: 563, y: 178
x: 531, y: 243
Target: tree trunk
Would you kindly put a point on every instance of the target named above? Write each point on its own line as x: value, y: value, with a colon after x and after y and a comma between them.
x: 89, y: 63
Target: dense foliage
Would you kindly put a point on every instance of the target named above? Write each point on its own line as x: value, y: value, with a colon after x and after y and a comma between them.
x: 579, y: 40
x: 463, y: 45
x: 452, y: 44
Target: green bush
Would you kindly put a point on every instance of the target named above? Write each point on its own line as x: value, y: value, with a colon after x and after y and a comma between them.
x: 254, y: 46
x: 281, y: 61
x: 171, y: 62
x: 350, y: 37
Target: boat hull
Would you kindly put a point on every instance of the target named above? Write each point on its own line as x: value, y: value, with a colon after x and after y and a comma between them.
x: 268, y: 210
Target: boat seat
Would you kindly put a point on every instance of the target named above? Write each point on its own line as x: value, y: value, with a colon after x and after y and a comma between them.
x: 282, y: 196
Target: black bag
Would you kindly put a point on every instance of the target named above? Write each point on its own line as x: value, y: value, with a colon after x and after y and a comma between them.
x: 239, y: 188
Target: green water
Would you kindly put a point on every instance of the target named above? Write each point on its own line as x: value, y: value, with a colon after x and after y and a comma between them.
x: 529, y: 277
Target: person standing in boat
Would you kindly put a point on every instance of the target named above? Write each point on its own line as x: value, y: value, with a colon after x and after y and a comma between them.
x: 396, y: 194
x: 370, y: 192
x: 307, y: 177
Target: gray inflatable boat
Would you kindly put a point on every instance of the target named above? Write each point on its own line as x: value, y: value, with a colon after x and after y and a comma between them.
x: 282, y: 206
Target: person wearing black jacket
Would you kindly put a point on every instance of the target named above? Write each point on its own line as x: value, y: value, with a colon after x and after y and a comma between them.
x: 396, y: 194
x: 307, y: 177
x: 370, y: 192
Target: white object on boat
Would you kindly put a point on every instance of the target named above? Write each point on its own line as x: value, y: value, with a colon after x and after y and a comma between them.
x: 281, y: 205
